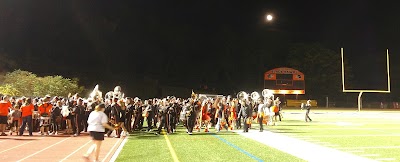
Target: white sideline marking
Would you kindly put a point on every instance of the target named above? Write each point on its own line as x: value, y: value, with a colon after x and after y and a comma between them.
x: 370, y: 155
x: 385, y: 159
x: 347, y: 124
x: 356, y: 151
x: 43, y: 149
x: 331, y: 145
x: 76, y: 150
x: 321, y: 143
x: 302, y: 149
x: 114, y: 157
x: 357, y: 135
x: 312, y: 140
x: 109, y: 152
x: 304, y: 138
x: 372, y: 147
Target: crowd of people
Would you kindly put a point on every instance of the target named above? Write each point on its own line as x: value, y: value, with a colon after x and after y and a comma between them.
x: 51, y: 115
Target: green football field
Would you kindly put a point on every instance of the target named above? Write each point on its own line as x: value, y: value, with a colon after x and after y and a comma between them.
x: 371, y: 134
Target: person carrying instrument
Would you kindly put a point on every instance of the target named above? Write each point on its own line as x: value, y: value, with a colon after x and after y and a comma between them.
x: 44, y: 111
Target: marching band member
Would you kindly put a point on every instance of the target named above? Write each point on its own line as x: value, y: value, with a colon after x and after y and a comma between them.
x: 183, y: 115
x: 205, y: 112
x: 238, y: 114
x: 138, y: 122
x: 246, y: 112
x: 150, y: 109
x: 156, y: 106
x: 171, y: 118
x: 56, y: 117
x: 107, y: 111
x: 220, y: 116
x: 233, y: 115
x: 115, y: 115
x: 129, y: 113
x: 121, y: 117
x: 35, y: 119
x: 79, y: 111
x: 191, y: 116
x: 260, y: 114
x: 162, y: 113
x: 269, y: 104
x: 277, y: 103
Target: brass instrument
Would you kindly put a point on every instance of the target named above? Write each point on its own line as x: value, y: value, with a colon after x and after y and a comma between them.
x: 193, y: 95
x: 117, y: 93
x: 96, y: 94
x: 266, y: 93
x: 255, y: 96
x: 242, y: 96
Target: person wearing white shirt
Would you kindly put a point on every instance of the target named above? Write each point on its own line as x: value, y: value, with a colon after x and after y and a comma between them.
x: 97, y: 122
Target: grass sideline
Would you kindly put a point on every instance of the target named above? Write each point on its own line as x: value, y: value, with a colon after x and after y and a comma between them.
x: 372, y: 134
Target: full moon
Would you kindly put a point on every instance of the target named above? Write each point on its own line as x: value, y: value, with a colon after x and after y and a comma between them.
x: 269, y: 17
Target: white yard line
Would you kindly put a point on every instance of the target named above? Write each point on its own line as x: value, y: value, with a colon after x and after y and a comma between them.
x: 302, y: 149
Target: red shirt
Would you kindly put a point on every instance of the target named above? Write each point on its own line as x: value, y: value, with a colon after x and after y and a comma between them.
x: 27, y: 110
x: 4, y: 106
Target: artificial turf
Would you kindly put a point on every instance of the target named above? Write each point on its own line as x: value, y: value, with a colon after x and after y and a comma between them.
x: 372, y: 134
x: 201, y: 146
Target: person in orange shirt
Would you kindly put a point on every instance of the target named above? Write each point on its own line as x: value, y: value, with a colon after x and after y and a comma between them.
x: 5, y: 105
x: 44, y: 111
x: 27, y: 110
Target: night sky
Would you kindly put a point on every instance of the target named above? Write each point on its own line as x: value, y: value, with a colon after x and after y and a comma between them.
x: 193, y: 43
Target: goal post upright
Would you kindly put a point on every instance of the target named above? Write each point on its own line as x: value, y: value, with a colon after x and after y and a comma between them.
x: 360, y: 91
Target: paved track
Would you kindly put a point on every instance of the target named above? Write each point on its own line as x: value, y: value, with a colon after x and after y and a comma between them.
x: 52, y: 148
